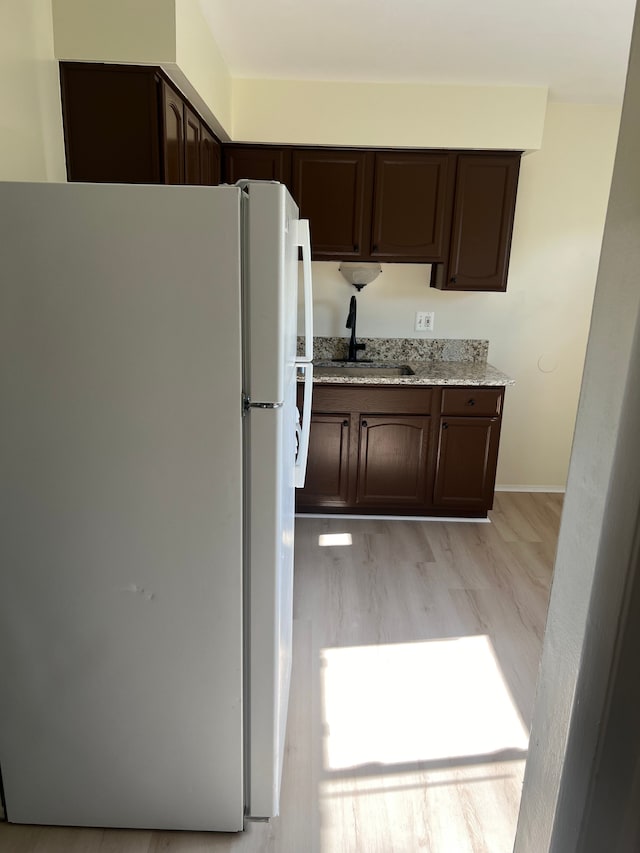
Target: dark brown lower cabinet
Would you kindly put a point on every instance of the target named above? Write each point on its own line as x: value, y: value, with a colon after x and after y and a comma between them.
x: 327, y: 479
x: 466, y: 463
x: 392, y: 462
x: 402, y: 450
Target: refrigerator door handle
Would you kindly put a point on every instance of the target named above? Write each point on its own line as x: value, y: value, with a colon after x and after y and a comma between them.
x: 303, y: 444
x: 304, y: 241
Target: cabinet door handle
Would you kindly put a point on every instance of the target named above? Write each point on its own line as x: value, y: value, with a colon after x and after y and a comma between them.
x: 454, y: 279
x: 445, y: 425
x: 345, y: 423
x: 364, y: 423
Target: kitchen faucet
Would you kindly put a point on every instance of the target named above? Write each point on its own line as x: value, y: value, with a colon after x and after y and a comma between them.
x: 351, y: 324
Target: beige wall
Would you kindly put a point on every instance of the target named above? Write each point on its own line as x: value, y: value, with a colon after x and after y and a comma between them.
x: 538, y: 328
x: 142, y: 31
x: 200, y: 61
x: 170, y: 33
x: 31, y: 145
x: 308, y: 112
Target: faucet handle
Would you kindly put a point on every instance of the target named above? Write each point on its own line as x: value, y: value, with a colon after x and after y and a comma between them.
x: 360, y: 346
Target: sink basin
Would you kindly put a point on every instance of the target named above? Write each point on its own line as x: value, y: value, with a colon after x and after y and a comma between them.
x: 362, y: 368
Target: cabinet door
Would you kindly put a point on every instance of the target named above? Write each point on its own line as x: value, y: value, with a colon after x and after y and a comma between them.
x: 392, y: 462
x: 466, y: 463
x: 483, y: 213
x: 111, y: 123
x: 256, y: 163
x: 209, y: 158
x: 333, y: 189
x: 327, y: 479
x: 413, y: 193
x: 173, y: 135
x: 193, y: 146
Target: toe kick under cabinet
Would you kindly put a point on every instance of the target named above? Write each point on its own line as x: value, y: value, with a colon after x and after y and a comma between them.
x: 402, y: 450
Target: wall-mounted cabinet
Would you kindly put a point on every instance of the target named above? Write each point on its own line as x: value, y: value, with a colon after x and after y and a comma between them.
x: 451, y: 209
x: 402, y: 451
x: 257, y: 163
x: 362, y: 204
x: 412, y: 201
x: 128, y: 124
x: 482, y: 223
x: 333, y: 188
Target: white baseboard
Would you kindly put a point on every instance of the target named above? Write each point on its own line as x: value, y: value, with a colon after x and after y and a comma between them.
x: 341, y: 516
x: 553, y: 489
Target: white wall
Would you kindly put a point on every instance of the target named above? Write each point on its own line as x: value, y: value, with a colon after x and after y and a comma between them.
x: 538, y: 328
x: 31, y: 141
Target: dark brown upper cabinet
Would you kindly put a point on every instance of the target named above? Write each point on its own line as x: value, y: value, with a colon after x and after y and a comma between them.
x: 112, y: 125
x: 333, y: 187
x: 412, y: 201
x: 257, y: 163
x: 210, y: 158
x: 173, y: 137
x: 482, y: 225
x: 127, y: 124
x: 193, y: 147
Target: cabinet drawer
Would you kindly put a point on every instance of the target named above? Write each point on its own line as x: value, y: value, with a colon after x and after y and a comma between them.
x: 485, y: 402
x: 372, y: 399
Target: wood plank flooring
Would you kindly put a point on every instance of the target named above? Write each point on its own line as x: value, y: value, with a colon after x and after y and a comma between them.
x: 416, y: 651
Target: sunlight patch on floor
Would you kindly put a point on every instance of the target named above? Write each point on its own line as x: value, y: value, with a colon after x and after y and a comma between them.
x: 398, y: 704
x: 423, y: 748
x: 330, y: 539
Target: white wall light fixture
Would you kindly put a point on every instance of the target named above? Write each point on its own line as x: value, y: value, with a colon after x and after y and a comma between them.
x: 359, y: 274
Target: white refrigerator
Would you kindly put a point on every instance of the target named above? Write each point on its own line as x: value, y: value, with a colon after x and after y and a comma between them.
x: 149, y: 449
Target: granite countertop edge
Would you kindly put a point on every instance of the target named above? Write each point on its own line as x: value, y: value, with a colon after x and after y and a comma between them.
x: 429, y: 373
x: 445, y: 361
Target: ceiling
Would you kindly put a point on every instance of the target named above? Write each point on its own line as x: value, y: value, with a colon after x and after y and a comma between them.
x: 578, y: 48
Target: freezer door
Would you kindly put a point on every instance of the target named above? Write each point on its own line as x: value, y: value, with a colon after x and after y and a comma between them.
x: 270, y: 290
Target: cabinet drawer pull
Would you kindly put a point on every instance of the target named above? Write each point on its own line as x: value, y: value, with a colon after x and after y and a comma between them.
x: 364, y: 423
x: 471, y: 402
x: 345, y: 423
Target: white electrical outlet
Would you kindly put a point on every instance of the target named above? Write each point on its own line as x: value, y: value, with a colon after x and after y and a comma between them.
x: 425, y: 321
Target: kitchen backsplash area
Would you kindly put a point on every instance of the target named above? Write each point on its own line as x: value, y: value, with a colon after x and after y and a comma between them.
x: 401, y: 349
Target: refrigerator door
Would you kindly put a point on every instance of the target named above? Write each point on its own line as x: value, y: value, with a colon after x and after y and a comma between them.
x: 270, y: 292
x: 121, y: 613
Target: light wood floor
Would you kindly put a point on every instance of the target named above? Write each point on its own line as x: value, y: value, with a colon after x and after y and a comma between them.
x: 416, y: 652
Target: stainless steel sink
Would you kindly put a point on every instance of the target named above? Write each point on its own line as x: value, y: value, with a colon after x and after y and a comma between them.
x: 361, y: 368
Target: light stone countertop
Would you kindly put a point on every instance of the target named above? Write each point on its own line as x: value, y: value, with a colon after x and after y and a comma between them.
x: 428, y: 373
x: 434, y: 361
